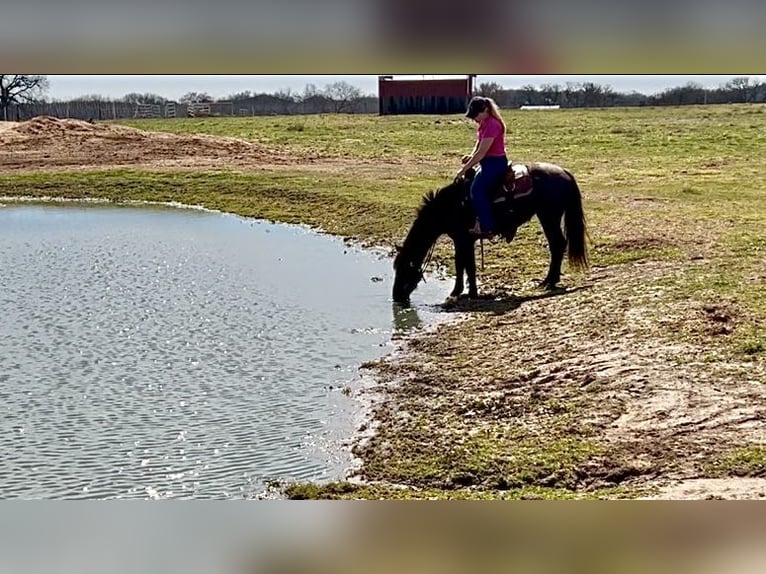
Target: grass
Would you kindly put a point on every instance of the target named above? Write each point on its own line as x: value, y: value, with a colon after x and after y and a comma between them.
x: 744, y: 461
x: 350, y: 491
x: 692, y: 167
x: 332, y: 202
x: 618, y: 143
x: 683, y: 187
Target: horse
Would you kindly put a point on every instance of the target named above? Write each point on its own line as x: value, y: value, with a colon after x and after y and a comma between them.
x: 552, y: 195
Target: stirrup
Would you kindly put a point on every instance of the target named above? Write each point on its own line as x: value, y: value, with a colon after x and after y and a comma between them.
x: 482, y: 234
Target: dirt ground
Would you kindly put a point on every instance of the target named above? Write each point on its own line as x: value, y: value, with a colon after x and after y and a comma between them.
x: 64, y: 145
x: 662, y: 414
x: 52, y: 144
x: 661, y: 411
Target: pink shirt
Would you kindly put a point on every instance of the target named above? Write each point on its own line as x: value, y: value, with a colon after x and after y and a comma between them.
x: 491, y: 128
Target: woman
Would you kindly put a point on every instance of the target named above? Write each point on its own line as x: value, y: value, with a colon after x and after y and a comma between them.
x: 489, y: 152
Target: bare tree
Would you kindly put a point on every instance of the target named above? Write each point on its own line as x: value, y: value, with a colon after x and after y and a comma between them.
x: 741, y: 86
x: 195, y: 97
x: 569, y: 94
x: 344, y: 95
x: 489, y: 90
x: 310, y: 91
x: 314, y: 101
x: 550, y: 93
x: 691, y: 93
x: 529, y: 92
x: 147, y: 98
x: 596, y: 95
x: 239, y: 96
x: 15, y: 88
x: 287, y: 100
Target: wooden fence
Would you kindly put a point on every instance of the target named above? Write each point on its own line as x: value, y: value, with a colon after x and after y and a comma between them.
x: 93, y: 111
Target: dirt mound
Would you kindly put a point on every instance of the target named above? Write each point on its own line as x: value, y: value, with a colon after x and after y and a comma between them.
x: 50, y: 125
x: 43, y: 127
x: 46, y: 142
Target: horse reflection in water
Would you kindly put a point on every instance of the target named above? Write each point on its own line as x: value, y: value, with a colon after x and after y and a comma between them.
x: 406, y: 319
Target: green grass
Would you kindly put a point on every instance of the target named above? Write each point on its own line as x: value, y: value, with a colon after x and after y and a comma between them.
x: 610, y: 143
x: 349, y: 491
x: 333, y: 202
x: 743, y: 461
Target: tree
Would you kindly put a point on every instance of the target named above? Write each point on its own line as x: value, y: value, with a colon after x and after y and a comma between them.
x: 529, y: 93
x: 287, y: 100
x: 314, y: 101
x: 691, y: 93
x: 15, y: 88
x: 572, y: 93
x: 596, y: 95
x: 310, y: 91
x: 489, y: 90
x: 344, y: 95
x: 195, y: 97
x: 551, y: 94
x: 147, y: 98
x: 240, y: 96
x: 742, y: 87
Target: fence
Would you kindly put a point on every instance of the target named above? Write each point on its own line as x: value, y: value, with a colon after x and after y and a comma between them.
x: 105, y: 110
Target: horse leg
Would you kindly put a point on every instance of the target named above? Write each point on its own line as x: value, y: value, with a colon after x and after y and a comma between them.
x: 470, y: 266
x: 459, y: 269
x: 557, y: 245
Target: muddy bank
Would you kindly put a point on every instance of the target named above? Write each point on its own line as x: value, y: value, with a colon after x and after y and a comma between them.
x: 582, y: 392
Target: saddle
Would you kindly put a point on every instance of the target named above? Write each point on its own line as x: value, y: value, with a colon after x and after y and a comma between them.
x: 510, y: 205
x: 516, y: 184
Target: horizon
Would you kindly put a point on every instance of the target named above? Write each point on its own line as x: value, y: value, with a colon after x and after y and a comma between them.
x: 173, y: 87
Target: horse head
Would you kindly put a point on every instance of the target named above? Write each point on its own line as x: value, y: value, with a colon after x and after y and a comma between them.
x: 438, y: 214
x: 407, y: 274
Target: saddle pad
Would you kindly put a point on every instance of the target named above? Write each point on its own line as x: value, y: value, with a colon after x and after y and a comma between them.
x: 518, y: 182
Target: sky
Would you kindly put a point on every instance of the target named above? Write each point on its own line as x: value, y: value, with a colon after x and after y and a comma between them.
x: 219, y: 86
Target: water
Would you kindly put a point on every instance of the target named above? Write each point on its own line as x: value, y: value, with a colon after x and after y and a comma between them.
x: 178, y: 353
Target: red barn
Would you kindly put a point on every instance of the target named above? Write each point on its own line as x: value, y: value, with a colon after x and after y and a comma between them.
x: 426, y: 96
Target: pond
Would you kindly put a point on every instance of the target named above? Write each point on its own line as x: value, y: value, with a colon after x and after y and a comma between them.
x: 152, y: 352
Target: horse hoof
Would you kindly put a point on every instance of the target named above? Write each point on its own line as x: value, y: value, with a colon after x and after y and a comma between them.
x: 450, y: 301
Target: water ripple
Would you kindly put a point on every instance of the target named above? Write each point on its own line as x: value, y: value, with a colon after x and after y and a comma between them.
x: 152, y: 353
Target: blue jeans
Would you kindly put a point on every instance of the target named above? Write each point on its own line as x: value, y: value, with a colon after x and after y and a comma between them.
x: 492, y: 170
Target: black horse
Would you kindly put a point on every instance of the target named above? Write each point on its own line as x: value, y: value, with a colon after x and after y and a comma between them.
x: 554, y: 195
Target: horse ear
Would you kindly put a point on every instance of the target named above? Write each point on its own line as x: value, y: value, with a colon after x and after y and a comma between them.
x: 470, y: 174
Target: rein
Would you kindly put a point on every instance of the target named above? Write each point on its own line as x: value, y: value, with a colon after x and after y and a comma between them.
x: 426, y: 261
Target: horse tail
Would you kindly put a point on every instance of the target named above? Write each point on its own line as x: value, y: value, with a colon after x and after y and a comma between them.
x: 576, y: 228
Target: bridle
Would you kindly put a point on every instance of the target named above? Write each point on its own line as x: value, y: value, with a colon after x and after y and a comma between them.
x: 426, y: 261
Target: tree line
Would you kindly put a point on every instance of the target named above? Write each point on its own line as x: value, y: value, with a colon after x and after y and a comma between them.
x: 341, y: 97
x: 588, y: 94
x: 336, y: 97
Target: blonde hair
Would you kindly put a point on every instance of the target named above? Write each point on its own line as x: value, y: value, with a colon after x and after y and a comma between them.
x: 494, y: 111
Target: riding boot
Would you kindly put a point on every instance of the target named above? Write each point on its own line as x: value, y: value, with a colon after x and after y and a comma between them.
x: 510, y: 233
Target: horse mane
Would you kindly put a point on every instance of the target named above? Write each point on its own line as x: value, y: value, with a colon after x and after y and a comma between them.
x: 428, y: 200
x: 434, y: 199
